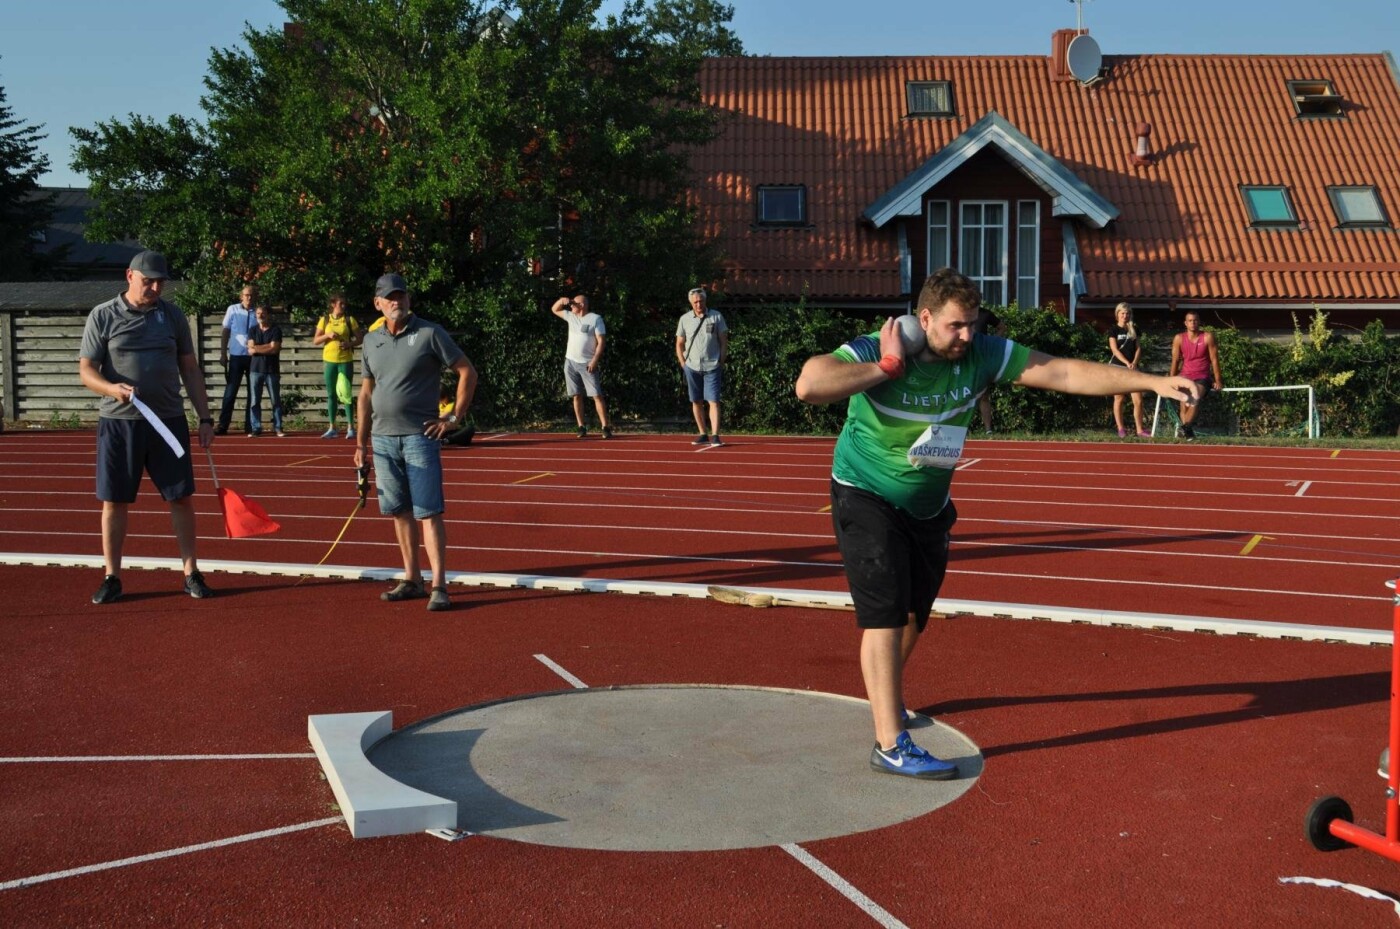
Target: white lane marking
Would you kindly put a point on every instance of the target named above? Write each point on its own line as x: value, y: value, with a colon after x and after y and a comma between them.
x: 967, y: 464
x: 553, y: 666
x: 1357, y: 889
x: 844, y: 887
x: 169, y: 853
x: 46, y: 759
x: 50, y: 559
x: 1302, y: 490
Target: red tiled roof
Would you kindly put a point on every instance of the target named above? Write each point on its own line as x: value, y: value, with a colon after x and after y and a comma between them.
x: 837, y: 126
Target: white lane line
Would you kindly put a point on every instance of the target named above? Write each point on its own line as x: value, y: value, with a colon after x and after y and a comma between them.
x: 844, y: 887
x: 1357, y: 889
x: 50, y: 559
x: 553, y: 666
x: 1302, y: 490
x: 55, y: 759
x: 967, y: 464
x: 170, y: 853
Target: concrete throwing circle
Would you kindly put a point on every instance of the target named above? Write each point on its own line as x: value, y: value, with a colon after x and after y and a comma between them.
x: 668, y: 768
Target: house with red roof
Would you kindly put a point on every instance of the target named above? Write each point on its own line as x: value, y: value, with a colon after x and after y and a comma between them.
x: 1245, y: 187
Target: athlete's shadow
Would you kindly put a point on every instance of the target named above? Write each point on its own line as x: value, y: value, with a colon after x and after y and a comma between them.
x: 1267, y: 699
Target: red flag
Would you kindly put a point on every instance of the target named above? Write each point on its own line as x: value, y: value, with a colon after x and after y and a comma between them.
x: 243, y: 517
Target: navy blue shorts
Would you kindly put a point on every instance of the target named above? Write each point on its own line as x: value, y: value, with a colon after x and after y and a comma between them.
x: 894, y: 561
x: 128, y: 447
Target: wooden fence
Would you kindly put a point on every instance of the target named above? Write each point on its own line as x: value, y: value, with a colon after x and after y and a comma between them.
x: 39, y: 369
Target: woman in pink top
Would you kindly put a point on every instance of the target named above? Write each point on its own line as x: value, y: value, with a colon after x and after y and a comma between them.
x: 1195, y: 356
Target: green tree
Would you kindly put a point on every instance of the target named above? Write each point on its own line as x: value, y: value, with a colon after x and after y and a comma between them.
x: 23, y: 209
x: 473, y: 152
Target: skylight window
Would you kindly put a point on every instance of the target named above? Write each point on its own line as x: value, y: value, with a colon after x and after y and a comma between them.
x: 782, y: 205
x: 929, y: 98
x: 1315, y: 98
x: 1357, y: 206
x: 1269, y: 206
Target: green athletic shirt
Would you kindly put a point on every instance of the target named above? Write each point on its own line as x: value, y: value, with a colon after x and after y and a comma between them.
x: 884, y: 421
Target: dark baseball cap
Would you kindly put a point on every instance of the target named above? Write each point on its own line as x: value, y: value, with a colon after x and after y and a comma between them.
x: 150, y: 264
x: 390, y: 283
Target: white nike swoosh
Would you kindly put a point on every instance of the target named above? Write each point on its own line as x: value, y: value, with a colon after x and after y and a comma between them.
x: 897, y: 760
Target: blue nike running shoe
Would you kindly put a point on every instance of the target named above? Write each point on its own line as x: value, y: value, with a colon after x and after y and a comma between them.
x: 909, y: 760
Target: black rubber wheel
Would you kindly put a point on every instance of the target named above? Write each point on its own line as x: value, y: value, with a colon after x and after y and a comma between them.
x: 1319, y: 818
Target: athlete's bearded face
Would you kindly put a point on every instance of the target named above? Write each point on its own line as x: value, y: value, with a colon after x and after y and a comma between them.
x: 949, y: 329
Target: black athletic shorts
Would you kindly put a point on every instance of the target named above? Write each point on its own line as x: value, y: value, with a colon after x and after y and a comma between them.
x: 127, y: 447
x: 894, y: 562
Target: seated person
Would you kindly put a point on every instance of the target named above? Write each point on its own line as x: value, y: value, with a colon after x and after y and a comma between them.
x: 447, y: 402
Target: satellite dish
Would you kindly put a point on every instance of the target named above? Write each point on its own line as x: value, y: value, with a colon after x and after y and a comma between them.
x: 1084, y: 58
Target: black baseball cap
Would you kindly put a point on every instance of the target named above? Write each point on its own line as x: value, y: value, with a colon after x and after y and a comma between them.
x: 150, y: 264
x: 390, y: 283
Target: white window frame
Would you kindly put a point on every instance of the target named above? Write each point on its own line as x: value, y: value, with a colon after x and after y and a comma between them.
x: 935, y: 262
x: 963, y: 227
x: 1035, y: 277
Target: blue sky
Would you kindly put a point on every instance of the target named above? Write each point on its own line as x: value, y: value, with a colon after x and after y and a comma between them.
x: 77, y: 62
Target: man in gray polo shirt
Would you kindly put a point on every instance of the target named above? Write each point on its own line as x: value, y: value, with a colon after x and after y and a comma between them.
x: 702, y: 347
x: 138, y: 345
x: 398, y: 417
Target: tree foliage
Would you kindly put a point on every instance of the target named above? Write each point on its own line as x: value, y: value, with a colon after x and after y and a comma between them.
x: 23, y: 210
x: 470, y: 151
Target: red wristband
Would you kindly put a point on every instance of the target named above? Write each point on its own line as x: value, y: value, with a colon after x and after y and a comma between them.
x: 893, y: 366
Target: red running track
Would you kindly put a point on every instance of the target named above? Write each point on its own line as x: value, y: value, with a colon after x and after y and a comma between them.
x: 1287, y: 535
x: 1133, y: 778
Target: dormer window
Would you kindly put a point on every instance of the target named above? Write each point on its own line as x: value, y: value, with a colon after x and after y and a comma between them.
x: 782, y: 205
x: 1357, y: 207
x: 1315, y: 98
x: 1269, y: 206
x: 929, y: 98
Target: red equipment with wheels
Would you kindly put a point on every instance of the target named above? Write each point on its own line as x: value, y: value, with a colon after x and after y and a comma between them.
x: 1329, y: 824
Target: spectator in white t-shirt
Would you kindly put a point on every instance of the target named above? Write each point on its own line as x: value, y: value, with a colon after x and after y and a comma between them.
x: 583, y: 357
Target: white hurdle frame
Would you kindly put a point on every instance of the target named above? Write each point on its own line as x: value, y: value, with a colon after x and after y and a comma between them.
x: 1313, y: 431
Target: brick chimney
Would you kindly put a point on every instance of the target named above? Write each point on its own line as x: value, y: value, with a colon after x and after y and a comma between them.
x: 1059, y: 53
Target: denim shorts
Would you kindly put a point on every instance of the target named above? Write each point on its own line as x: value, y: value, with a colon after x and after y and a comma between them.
x: 408, y: 471
x: 704, y: 385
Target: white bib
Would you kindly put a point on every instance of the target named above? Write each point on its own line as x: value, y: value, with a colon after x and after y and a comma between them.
x: 939, y: 446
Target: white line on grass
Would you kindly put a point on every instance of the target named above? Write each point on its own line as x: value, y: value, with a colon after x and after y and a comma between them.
x: 553, y: 666
x: 169, y: 853
x: 844, y: 887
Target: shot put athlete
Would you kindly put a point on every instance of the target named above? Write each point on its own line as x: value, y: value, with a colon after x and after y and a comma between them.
x: 907, y: 417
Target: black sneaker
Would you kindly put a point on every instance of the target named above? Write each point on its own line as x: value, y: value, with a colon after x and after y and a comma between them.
x: 607, y: 432
x: 715, y: 441
x: 1188, y: 431
x: 582, y: 432
x: 439, y: 600
x: 701, y: 439
x: 195, y: 586
x: 110, y: 590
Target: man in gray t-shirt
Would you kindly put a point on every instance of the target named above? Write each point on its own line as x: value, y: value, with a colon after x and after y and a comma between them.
x: 138, y: 345
x: 398, y: 417
x: 702, y: 347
